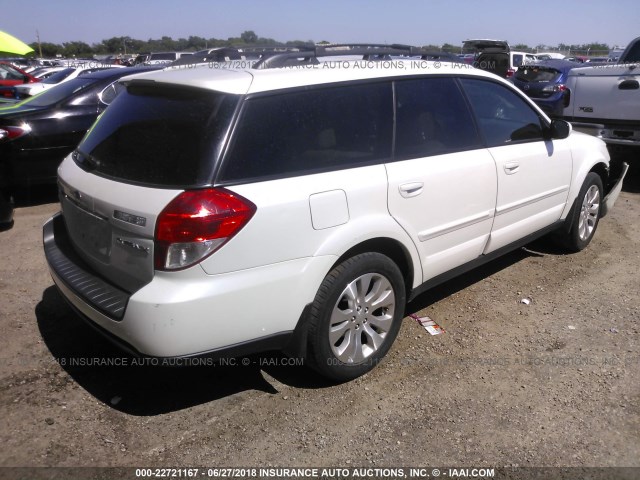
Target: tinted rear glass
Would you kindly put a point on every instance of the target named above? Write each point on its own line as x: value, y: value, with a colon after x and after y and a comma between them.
x: 160, y: 136
x: 517, y: 60
x: 497, y: 63
x: 311, y: 131
x: 536, y: 74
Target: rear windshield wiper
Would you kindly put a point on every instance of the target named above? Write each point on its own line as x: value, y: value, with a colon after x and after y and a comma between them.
x: 86, y: 162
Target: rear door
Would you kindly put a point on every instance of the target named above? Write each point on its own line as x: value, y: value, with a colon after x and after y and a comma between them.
x: 534, y: 174
x: 442, y: 184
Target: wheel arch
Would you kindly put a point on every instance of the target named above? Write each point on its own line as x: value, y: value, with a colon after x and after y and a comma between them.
x: 390, y: 247
x: 602, y: 170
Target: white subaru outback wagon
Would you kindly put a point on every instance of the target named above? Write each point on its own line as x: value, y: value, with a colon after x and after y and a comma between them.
x: 300, y: 204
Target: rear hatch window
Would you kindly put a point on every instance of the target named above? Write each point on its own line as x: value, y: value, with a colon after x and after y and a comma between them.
x: 497, y: 63
x: 164, y: 136
x: 537, y: 74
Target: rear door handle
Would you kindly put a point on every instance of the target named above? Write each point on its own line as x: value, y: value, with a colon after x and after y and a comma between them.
x: 409, y: 190
x: 511, y: 168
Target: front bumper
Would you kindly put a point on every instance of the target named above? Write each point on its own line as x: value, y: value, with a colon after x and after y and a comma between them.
x: 612, y: 195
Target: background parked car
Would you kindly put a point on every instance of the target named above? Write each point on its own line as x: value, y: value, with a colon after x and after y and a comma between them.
x: 11, y: 76
x: 165, y: 58
x: 549, y: 56
x: 496, y: 56
x: 37, y: 133
x: 544, y: 82
x: 45, y: 72
x: 64, y: 75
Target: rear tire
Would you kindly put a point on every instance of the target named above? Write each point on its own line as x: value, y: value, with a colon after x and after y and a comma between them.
x: 586, y: 215
x: 355, y: 316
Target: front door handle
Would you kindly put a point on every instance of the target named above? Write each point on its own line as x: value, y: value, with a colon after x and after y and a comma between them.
x: 511, y: 168
x: 409, y: 190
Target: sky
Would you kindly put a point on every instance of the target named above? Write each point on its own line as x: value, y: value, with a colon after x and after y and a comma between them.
x: 414, y: 22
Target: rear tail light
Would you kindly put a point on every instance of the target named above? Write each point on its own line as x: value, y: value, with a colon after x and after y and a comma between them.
x: 11, y: 133
x: 555, y: 88
x: 510, y: 72
x: 197, y: 223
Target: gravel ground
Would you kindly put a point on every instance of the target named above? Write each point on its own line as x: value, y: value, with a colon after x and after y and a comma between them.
x: 552, y: 383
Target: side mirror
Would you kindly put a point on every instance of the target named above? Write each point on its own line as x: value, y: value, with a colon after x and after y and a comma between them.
x: 559, y: 129
x: 26, y: 79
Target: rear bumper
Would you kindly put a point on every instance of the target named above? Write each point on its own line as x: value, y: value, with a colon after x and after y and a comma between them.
x: 612, y: 134
x: 189, y: 313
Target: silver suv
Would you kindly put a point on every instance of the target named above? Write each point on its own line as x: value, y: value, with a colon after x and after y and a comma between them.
x: 300, y: 204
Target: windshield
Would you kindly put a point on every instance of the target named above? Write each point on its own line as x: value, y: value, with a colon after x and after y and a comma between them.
x: 7, y: 72
x: 59, y: 76
x: 163, y: 136
x: 59, y: 92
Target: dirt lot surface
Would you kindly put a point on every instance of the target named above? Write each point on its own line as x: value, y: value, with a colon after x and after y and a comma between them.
x: 552, y: 383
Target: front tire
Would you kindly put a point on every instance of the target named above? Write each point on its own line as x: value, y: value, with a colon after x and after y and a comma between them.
x: 355, y: 316
x: 586, y: 215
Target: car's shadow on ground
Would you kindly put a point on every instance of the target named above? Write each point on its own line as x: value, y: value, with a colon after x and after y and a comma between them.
x: 40, y: 195
x: 440, y: 292
x: 137, y: 386
x: 29, y: 197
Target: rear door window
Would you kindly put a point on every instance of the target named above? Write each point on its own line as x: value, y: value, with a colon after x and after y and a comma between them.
x: 309, y: 131
x: 432, y: 118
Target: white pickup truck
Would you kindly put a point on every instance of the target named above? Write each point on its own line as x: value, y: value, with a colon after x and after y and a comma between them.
x: 605, y: 99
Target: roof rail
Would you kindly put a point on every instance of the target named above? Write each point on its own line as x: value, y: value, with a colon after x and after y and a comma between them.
x: 368, y: 51
x: 225, y: 54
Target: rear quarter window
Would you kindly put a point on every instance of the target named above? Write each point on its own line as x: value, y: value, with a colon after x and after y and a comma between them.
x: 313, y: 130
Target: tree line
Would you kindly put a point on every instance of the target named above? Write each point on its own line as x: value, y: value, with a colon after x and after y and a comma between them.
x: 128, y: 45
